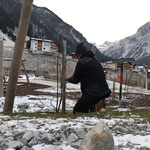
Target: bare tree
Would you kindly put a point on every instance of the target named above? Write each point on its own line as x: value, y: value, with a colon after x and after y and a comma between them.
x: 17, y: 56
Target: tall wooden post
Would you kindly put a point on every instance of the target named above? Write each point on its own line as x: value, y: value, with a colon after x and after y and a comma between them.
x: 64, y: 76
x: 1, y: 66
x: 17, y: 56
x: 146, y: 77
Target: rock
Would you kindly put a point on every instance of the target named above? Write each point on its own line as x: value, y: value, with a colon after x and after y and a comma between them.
x: 18, y: 135
x: 1, y: 121
x: 4, y: 129
x: 130, y: 145
x: 32, y: 142
x: 22, y: 110
x: 144, y: 148
x: 148, y: 128
x: 40, y: 105
x: 23, y: 105
x: 52, y: 147
x: 80, y: 132
x: 46, y: 140
x: 98, y: 138
x: 72, y: 138
x: 63, y: 136
x: 103, y: 110
x: 27, y: 136
x: 14, y: 144
x: 25, y: 148
x: 76, y: 145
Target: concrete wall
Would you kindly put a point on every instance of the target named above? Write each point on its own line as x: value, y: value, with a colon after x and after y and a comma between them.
x: 42, y: 65
x: 129, y: 78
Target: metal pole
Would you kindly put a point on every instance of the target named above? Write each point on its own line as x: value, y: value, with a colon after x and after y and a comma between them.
x: 64, y: 76
x: 17, y: 56
x: 113, y: 93
x: 121, y: 80
x: 1, y: 67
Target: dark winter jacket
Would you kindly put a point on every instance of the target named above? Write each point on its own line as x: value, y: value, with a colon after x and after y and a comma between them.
x: 89, y: 72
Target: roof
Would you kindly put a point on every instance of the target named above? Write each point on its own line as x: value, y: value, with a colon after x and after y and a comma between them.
x: 37, y: 39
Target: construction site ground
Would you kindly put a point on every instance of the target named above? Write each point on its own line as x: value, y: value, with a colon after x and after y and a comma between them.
x: 50, y: 88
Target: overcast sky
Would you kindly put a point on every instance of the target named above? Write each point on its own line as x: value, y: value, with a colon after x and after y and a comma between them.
x: 101, y: 20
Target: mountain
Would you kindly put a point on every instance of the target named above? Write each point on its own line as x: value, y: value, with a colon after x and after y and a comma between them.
x: 105, y: 46
x: 43, y: 24
x: 143, y: 61
x: 136, y: 46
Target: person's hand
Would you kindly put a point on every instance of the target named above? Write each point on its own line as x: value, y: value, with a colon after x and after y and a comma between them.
x: 67, y: 79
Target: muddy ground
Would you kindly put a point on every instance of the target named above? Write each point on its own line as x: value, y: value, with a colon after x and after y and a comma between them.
x: 130, y: 99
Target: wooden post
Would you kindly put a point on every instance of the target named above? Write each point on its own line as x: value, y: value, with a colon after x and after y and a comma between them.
x: 57, y: 66
x: 64, y: 76
x: 146, y: 77
x: 25, y: 72
x: 17, y: 56
x: 1, y: 67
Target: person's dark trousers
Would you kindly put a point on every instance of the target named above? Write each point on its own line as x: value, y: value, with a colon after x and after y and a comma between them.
x: 88, y: 101
x: 84, y: 103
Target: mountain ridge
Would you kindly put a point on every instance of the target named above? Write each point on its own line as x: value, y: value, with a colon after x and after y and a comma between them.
x: 136, y: 46
x: 43, y: 24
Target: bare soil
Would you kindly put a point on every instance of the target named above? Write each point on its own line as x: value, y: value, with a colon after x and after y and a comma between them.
x: 130, y: 99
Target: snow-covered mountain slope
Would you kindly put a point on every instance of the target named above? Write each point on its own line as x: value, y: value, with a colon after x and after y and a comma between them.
x: 7, y: 41
x: 136, y: 46
x: 106, y: 45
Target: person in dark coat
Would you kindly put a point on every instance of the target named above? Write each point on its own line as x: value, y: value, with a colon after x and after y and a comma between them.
x: 89, y: 72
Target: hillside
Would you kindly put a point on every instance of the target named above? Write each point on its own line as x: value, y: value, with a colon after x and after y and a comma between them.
x: 44, y: 24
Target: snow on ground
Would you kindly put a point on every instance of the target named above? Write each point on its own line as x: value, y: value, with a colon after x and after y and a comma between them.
x: 76, y: 87
x: 32, y: 103
x: 36, y: 103
x: 32, y: 124
x: 130, y: 88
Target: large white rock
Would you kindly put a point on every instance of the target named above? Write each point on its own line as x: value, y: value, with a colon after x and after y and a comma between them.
x: 98, y: 138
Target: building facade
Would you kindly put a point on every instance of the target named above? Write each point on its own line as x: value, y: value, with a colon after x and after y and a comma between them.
x: 42, y: 46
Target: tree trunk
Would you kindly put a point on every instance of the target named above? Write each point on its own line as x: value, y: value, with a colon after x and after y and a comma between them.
x: 17, y: 56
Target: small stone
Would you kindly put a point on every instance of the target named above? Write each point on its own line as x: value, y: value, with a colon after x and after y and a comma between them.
x: 72, y: 138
